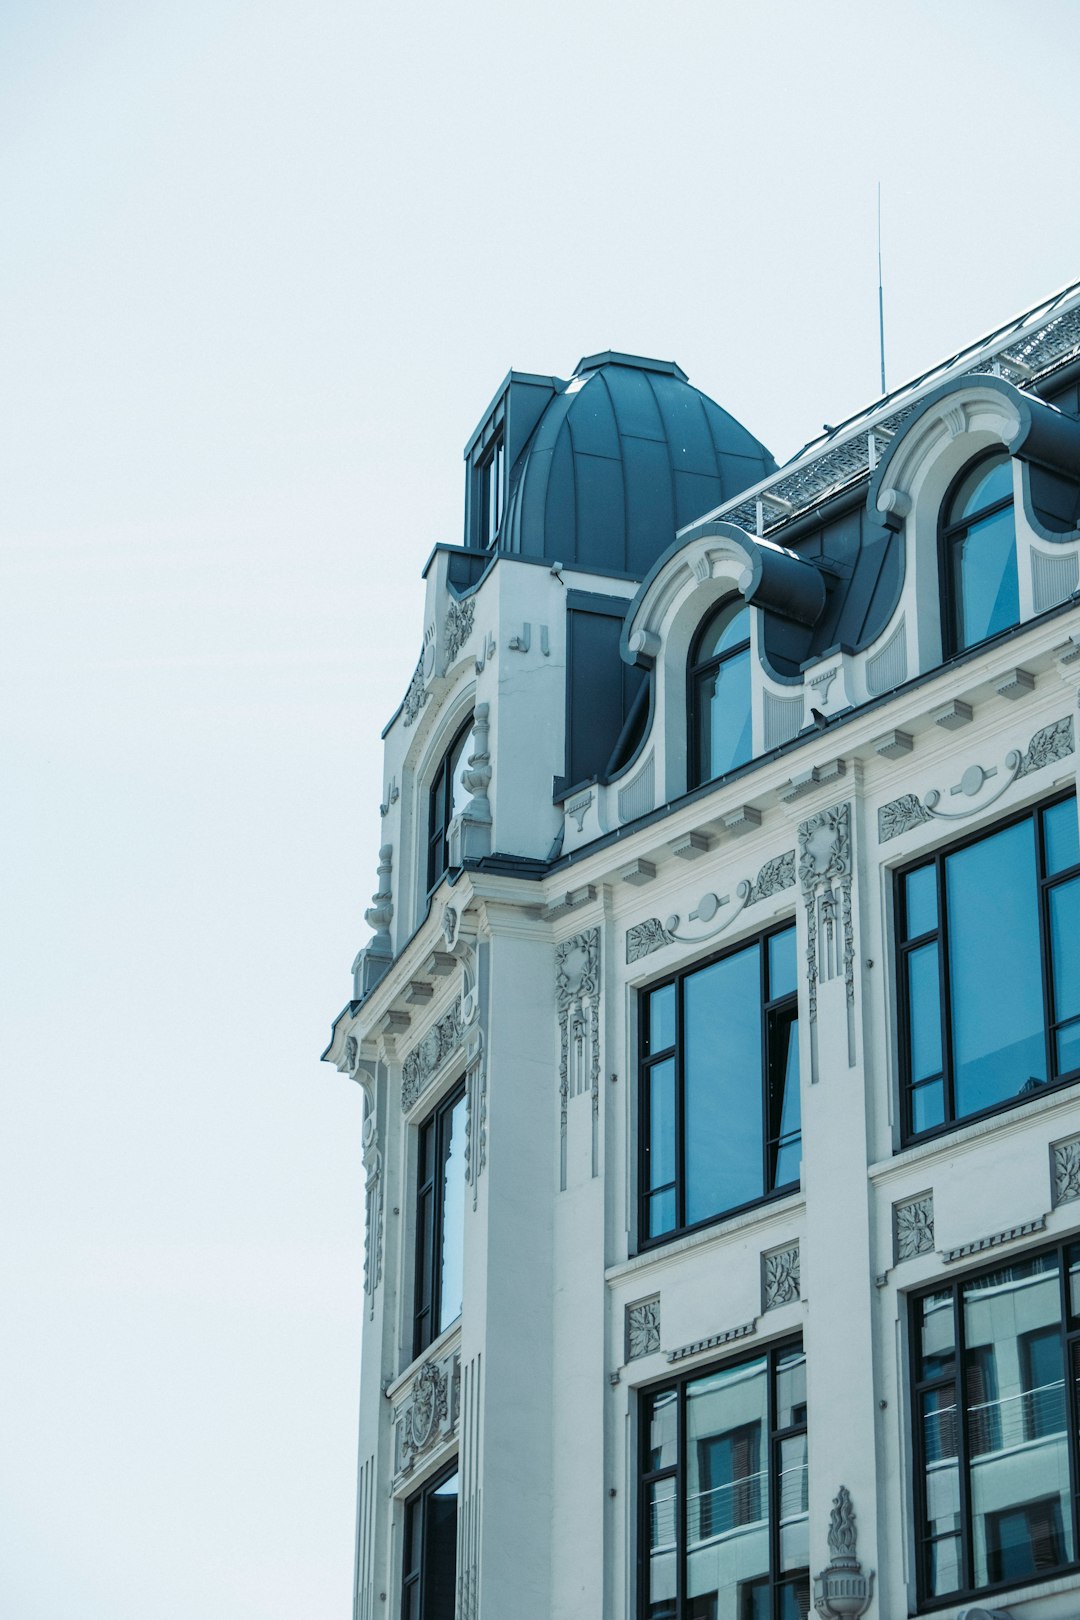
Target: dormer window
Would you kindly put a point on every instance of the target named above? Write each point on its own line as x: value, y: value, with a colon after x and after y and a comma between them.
x: 491, y: 491
x: 980, y: 587
x: 446, y: 798
x: 719, y: 693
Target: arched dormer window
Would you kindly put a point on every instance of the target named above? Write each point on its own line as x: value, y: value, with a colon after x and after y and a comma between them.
x: 718, y: 693
x: 445, y: 798
x: 980, y: 586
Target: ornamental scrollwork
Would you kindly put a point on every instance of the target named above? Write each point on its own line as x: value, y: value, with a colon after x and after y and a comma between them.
x: 423, y: 1063
x: 1066, y: 1162
x: 577, y: 999
x: 458, y: 627
x: 1051, y: 743
x: 913, y: 1227
x: 780, y: 1277
x: 775, y: 875
x: 643, y: 1328
x: 645, y: 937
x: 900, y: 816
x: 416, y: 695
x: 429, y: 1414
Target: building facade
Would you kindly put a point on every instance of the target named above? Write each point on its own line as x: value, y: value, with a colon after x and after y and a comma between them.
x: 720, y: 1028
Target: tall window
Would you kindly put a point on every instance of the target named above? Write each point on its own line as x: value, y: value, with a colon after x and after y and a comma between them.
x: 491, y: 491
x: 995, y: 1405
x: 440, y: 1220
x: 429, y: 1572
x: 719, y: 693
x: 446, y: 798
x: 981, y: 594
x: 990, y: 969
x: 720, y: 1123
x: 723, y: 1500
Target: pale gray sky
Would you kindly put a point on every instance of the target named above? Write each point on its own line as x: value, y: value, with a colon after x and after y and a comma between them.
x: 261, y: 268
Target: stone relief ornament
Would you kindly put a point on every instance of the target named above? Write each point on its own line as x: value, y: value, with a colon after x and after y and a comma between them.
x: 457, y: 627
x: 643, y: 1328
x: 913, y: 1227
x: 842, y: 1591
x: 352, y: 1053
x: 577, y: 998
x: 428, y: 1416
x: 900, y: 815
x: 825, y: 866
x: 780, y: 1277
x: 1065, y: 1159
x: 416, y: 695
x: 427, y: 1059
x: 651, y: 935
x: 373, y: 1226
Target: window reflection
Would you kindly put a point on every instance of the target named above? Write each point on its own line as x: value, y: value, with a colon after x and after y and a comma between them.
x: 981, y: 593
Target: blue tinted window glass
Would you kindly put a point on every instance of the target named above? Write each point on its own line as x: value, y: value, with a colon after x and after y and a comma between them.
x: 722, y: 700
x: 928, y: 1106
x: 1060, y: 835
x: 920, y: 896
x: 722, y: 1078
x: 662, y: 1212
x: 994, y: 969
x: 662, y: 1124
x: 662, y: 1018
x: 924, y: 1012
x: 730, y: 627
x: 991, y: 481
x: 782, y: 976
x: 985, y: 585
x: 1065, y: 954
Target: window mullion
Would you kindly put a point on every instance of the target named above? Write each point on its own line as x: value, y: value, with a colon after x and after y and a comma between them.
x: 967, y: 1537
x: 680, y: 1111
x: 1072, y: 1345
x: 680, y: 1505
x: 946, y: 994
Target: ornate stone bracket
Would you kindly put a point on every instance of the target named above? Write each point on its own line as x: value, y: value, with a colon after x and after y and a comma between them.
x: 900, y: 815
x: 652, y: 935
x: 842, y: 1591
x: 372, y: 962
x: 428, y: 1416
x: 825, y: 869
x: 577, y: 998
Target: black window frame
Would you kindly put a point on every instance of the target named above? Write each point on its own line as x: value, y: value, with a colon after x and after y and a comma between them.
x: 417, y: 1574
x: 427, y: 1290
x: 699, y: 669
x: 648, y: 1477
x: 958, y: 1377
x: 441, y: 808
x: 774, y: 1011
x: 950, y: 534
x: 905, y: 947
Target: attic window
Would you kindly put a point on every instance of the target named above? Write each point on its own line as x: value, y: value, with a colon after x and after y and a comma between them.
x: 490, y: 490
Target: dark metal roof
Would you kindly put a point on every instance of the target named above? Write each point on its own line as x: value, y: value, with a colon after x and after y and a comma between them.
x: 623, y: 454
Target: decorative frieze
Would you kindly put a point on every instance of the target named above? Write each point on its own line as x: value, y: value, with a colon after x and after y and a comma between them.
x: 427, y: 1059
x: 1065, y: 1170
x: 780, y: 1276
x: 428, y: 1416
x: 1052, y: 743
x: 416, y: 695
x: 651, y: 935
x: 577, y: 999
x: 643, y: 1328
x: 913, y: 1227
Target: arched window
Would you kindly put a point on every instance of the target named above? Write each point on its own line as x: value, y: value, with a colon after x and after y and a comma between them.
x: 719, y: 693
x: 446, y: 798
x: 980, y: 589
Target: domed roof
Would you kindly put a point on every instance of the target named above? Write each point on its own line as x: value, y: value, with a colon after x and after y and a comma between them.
x: 624, y: 454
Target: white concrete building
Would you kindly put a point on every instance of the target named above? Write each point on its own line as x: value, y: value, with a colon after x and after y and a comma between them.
x: 720, y: 1031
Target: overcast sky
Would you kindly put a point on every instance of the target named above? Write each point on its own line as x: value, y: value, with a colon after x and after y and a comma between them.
x: 262, y: 266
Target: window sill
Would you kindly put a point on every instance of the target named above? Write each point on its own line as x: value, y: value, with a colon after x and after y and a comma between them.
x: 434, y: 1352
x: 1062, y: 1100
x: 772, y: 1212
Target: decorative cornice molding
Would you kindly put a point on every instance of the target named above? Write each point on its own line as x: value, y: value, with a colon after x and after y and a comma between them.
x: 1024, y: 1229
x: 713, y: 1342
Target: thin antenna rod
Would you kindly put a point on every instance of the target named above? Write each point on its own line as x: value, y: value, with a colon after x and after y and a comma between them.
x: 880, y: 294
